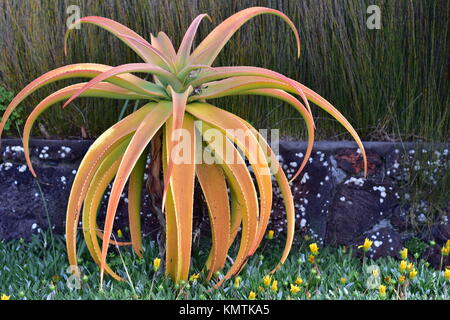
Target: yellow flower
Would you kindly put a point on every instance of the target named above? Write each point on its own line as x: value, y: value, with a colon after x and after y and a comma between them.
x: 402, y: 266
x: 401, y: 279
x: 445, y: 250
x: 298, y: 281
x: 447, y: 274
x: 375, y: 273
x: 311, y: 259
x: 252, y: 295
x: 412, y: 273
x: 119, y: 234
x: 156, y: 264
x: 274, y: 286
x: 410, y: 266
x: 447, y: 244
x: 366, y: 246
x: 237, y: 282
x: 314, y: 248
x: 194, y: 277
x: 267, y: 280
x: 270, y: 234
x: 4, y: 297
x: 404, y: 253
x: 382, y: 290
x: 294, y: 289
x: 343, y: 280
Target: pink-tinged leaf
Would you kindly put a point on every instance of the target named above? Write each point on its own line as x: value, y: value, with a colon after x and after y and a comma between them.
x: 228, y: 72
x: 179, y: 101
x: 238, y: 132
x: 134, y: 203
x: 107, y: 142
x: 214, y: 187
x: 102, y: 89
x: 182, y: 189
x: 159, y: 58
x: 288, y: 200
x: 235, y: 85
x: 210, y: 47
x: 186, y: 44
x: 82, y: 70
x: 284, y: 96
x: 94, y: 196
x: 163, y: 44
x: 126, y: 68
x: 242, y: 188
x: 125, y: 34
x: 152, y: 122
x: 325, y: 105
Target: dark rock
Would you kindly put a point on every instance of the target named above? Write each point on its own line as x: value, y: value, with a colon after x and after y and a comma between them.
x: 386, y: 243
x: 357, y: 207
x: 399, y: 218
x: 351, y: 161
x: 433, y: 255
x: 312, y: 192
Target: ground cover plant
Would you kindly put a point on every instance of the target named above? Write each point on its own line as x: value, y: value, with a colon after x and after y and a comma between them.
x: 38, y: 270
x: 183, y: 81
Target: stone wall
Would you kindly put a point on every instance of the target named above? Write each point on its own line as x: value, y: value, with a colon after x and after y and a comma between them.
x: 334, y: 203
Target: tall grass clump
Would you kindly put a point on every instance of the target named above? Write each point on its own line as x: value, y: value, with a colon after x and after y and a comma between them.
x: 392, y: 83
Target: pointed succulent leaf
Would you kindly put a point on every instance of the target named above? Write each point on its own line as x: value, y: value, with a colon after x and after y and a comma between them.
x: 152, y: 122
x: 210, y: 47
x: 102, y: 89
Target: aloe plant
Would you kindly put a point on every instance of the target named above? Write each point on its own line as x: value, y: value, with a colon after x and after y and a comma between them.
x: 184, y: 80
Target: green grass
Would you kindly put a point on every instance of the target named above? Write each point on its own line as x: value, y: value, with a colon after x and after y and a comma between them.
x: 34, y: 271
x: 392, y: 84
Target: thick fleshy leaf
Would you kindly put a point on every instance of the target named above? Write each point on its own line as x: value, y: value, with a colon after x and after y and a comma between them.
x: 162, y: 60
x: 228, y: 72
x: 173, y: 240
x: 163, y: 44
x: 235, y: 85
x: 152, y: 122
x: 211, y: 46
x: 284, y: 96
x: 231, y: 126
x: 182, y: 188
x: 179, y: 101
x: 94, y: 195
x: 286, y: 193
x: 186, y: 44
x: 128, y: 36
x: 126, y: 68
x: 109, y: 140
x: 328, y: 107
x: 134, y: 203
x: 82, y: 70
x: 242, y: 188
x: 214, y: 187
x: 102, y: 90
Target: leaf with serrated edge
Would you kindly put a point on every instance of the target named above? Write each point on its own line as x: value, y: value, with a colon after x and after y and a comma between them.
x: 182, y: 187
x: 88, y: 166
x: 144, y: 133
x: 214, y: 187
x: 102, y: 90
x: 209, y: 48
x: 242, y: 187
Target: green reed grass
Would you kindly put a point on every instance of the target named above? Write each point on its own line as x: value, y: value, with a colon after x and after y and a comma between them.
x: 392, y: 84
